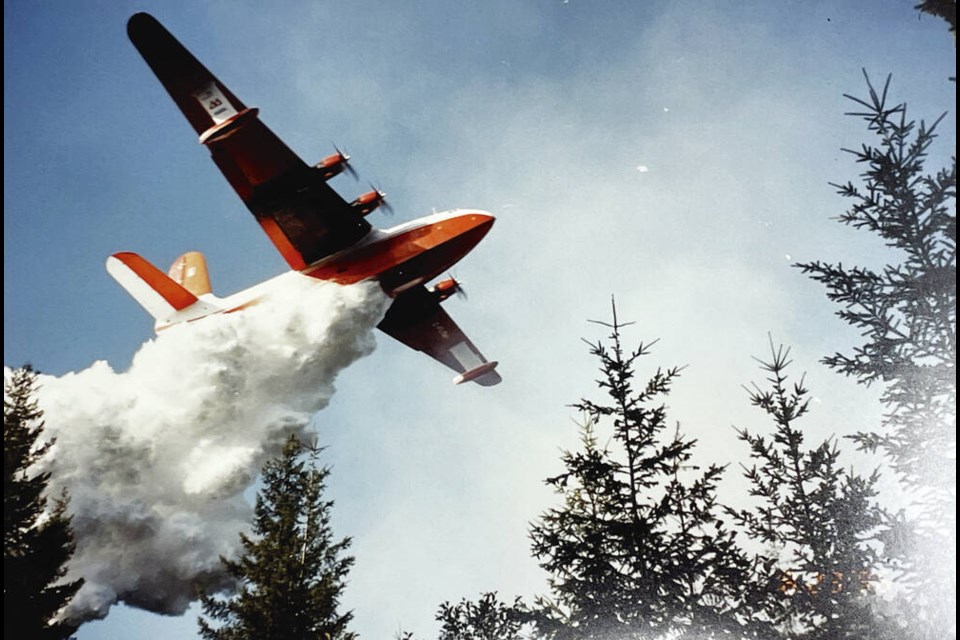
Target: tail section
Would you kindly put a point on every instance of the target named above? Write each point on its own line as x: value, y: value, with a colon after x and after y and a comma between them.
x: 167, y: 300
x: 190, y: 272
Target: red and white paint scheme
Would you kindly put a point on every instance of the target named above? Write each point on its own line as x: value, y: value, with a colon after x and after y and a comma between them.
x: 317, y: 232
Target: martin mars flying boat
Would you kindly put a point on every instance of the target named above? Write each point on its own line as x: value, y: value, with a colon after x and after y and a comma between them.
x: 317, y: 232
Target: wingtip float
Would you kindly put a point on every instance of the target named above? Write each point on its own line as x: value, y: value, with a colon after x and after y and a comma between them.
x: 317, y: 232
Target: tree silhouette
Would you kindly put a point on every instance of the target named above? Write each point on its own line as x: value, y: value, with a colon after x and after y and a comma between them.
x: 486, y: 619
x: 636, y: 549
x: 907, y: 315
x: 37, y: 539
x: 815, y: 577
x: 946, y: 9
x: 291, y: 572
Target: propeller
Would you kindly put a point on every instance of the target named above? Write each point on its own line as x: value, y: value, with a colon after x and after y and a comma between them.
x: 447, y: 287
x: 385, y: 205
x: 346, y: 163
x: 458, y: 287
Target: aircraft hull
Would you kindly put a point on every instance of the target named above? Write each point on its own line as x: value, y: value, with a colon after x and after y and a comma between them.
x: 409, y: 256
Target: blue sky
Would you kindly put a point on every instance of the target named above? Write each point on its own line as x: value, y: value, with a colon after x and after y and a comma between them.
x: 541, y: 112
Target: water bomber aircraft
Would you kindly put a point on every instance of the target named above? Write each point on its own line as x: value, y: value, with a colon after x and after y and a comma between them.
x: 318, y: 233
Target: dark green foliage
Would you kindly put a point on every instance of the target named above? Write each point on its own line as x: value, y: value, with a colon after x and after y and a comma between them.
x: 906, y: 312
x: 817, y: 519
x: 635, y: 550
x: 291, y: 572
x: 37, y: 540
x: 486, y: 619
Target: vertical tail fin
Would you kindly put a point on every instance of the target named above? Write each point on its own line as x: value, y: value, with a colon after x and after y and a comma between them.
x: 190, y: 272
x: 166, y: 300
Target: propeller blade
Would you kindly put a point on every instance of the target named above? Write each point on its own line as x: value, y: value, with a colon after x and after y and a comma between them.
x: 458, y: 287
x: 349, y: 168
x: 346, y: 163
x: 385, y: 205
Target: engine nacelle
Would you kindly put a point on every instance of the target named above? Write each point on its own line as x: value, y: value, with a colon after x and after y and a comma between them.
x: 369, y: 201
x: 334, y: 165
x: 446, y: 288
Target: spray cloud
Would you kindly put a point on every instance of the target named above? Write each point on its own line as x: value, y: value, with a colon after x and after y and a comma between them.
x: 157, y: 459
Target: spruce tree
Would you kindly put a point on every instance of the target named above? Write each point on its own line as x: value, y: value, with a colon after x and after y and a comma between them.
x: 636, y: 550
x: 37, y: 537
x: 291, y: 572
x: 906, y: 312
x: 818, y: 521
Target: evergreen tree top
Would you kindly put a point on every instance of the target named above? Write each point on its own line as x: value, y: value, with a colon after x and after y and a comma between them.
x: 37, y: 536
x: 291, y: 572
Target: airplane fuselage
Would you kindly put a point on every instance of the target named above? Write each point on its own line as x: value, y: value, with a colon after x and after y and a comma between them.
x: 400, y: 257
x: 408, y: 254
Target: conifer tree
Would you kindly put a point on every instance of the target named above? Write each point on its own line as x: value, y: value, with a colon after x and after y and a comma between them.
x: 907, y: 313
x: 37, y: 539
x: 291, y: 572
x: 636, y: 550
x: 486, y: 619
x: 817, y: 519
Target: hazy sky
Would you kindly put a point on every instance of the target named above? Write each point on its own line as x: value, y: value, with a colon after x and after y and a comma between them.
x: 675, y: 154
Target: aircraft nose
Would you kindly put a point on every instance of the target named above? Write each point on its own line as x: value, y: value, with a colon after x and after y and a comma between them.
x: 483, y: 219
x: 475, y: 224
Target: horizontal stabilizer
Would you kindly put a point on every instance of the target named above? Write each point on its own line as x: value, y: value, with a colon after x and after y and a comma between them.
x: 162, y: 297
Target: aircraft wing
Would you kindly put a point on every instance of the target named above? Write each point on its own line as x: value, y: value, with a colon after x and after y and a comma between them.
x: 417, y: 320
x: 302, y: 215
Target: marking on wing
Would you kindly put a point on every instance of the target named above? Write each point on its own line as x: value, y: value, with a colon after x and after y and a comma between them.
x: 216, y: 104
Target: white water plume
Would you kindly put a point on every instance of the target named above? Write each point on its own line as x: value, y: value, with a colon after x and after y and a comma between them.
x: 157, y: 459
